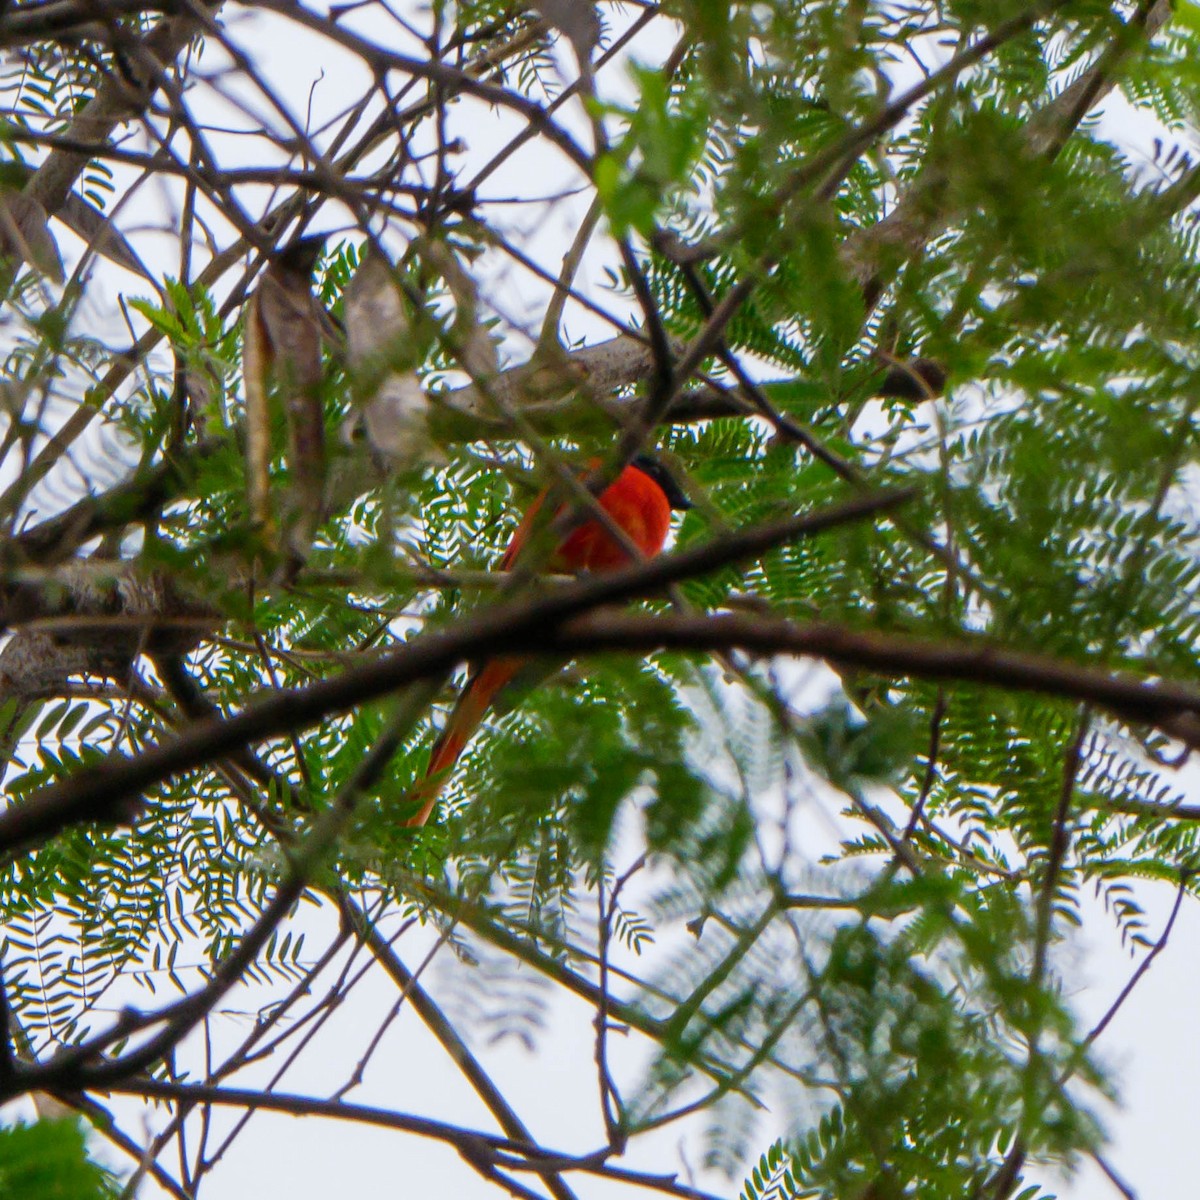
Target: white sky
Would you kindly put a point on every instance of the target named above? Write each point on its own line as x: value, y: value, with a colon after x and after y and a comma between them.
x: 554, y: 1090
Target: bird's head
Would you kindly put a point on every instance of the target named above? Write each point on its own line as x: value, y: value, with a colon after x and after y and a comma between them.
x: 649, y: 465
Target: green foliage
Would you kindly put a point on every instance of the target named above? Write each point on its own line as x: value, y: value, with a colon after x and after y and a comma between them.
x: 49, y: 1160
x: 655, y: 156
x: 847, y: 891
x: 850, y: 752
x: 771, y: 1178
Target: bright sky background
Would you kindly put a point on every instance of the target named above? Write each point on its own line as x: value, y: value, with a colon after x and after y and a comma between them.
x: 1156, y: 1066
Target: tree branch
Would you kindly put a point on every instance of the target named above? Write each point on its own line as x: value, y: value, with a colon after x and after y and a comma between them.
x: 440, y: 1027
x: 527, y: 1156
x: 1172, y: 707
x: 516, y: 626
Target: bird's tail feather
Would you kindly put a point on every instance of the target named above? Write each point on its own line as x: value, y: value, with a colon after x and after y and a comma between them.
x: 467, y: 716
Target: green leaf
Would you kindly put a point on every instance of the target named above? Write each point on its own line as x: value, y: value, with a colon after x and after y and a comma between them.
x: 49, y: 1160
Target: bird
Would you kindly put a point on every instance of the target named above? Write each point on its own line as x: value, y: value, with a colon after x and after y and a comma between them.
x: 639, y: 502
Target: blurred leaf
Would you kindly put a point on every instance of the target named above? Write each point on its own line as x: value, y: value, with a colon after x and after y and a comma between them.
x: 49, y: 1160
x: 25, y: 236
x: 851, y: 751
x: 381, y: 356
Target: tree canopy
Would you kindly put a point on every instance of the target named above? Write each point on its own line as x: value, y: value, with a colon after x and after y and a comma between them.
x: 303, y: 306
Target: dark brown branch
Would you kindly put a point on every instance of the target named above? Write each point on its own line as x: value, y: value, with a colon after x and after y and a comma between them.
x: 139, y: 498
x: 456, y: 79
x: 1172, y: 707
x: 101, y: 119
x: 1126, y: 1191
x: 64, y: 20
x: 923, y: 213
x: 527, y: 1156
x: 162, y: 162
x: 1049, y: 131
x: 1142, y: 967
x: 460, y: 1053
x: 7, y: 1050
x: 527, y: 948
x: 80, y: 1067
x: 537, y: 626
x: 1060, y: 841
x: 102, y: 1120
x: 518, y: 626
x: 115, y: 101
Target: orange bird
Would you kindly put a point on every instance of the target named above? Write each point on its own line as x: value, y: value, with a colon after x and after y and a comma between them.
x: 640, y: 503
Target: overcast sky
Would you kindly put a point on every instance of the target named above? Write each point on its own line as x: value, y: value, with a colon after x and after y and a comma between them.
x: 1156, y: 1068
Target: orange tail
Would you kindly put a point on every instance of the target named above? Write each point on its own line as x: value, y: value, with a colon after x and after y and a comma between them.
x: 468, y: 713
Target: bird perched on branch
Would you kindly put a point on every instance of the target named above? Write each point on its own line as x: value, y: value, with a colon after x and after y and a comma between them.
x: 639, y: 503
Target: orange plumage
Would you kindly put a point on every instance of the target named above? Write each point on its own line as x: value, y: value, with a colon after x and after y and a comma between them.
x: 639, y: 503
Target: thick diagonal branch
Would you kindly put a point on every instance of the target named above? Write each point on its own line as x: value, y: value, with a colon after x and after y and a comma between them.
x: 517, y: 626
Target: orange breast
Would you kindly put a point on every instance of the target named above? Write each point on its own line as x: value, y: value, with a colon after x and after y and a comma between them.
x: 634, y: 501
x: 637, y: 504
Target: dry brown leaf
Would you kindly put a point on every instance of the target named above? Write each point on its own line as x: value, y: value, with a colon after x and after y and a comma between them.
x: 25, y: 235
x: 395, y: 408
x: 256, y: 366
x: 101, y: 234
x: 471, y: 343
x: 577, y: 20
x: 282, y: 356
